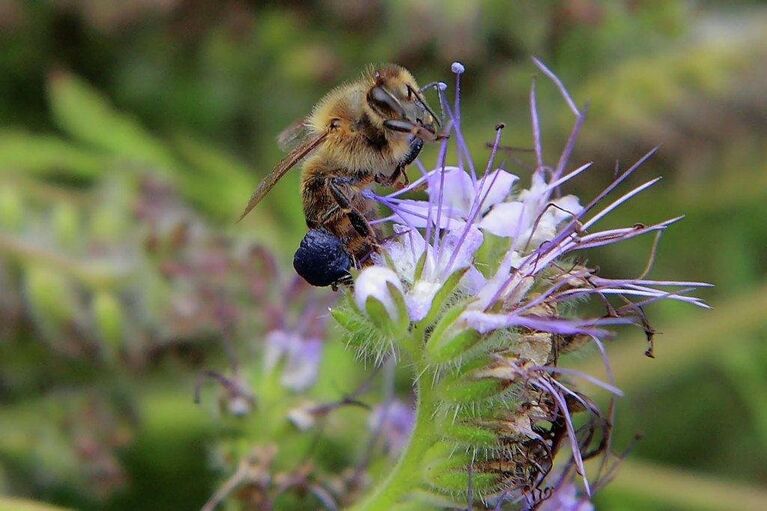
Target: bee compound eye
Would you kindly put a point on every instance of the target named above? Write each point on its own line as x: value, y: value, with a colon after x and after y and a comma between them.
x: 321, y: 258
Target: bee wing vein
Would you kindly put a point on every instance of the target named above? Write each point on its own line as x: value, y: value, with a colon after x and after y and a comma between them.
x: 295, y: 156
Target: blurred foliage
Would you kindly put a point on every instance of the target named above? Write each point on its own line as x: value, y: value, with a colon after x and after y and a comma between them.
x: 131, y: 134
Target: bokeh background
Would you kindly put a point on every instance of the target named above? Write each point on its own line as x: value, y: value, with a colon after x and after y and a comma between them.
x: 117, y: 119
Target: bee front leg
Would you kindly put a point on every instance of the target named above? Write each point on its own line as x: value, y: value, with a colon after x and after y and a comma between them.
x: 416, y: 144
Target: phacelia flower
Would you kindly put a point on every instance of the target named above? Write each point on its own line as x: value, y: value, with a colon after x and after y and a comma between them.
x: 301, y: 355
x: 393, y: 420
x: 566, y: 498
x: 489, y: 273
x: 295, y: 333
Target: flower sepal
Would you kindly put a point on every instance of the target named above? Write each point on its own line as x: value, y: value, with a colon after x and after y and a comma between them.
x: 448, y: 341
x: 356, y: 324
x: 451, y: 473
x: 470, y: 434
x: 468, y: 389
x: 378, y: 295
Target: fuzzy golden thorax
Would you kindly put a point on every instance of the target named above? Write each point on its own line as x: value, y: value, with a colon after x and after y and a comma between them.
x: 358, y: 140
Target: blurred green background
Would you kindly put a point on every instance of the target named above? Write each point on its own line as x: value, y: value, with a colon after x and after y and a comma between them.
x: 174, y: 105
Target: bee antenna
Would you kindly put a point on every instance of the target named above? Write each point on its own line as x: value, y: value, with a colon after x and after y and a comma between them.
x: 430, y: 85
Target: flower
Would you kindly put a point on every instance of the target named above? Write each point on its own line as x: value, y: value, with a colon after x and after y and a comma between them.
x: 393, y: 420
x: 542, y: 231
x: 303, y: 416
x: 532, y: 218
x: 566, y: 498
x: 489, y: 309
x: 301, y: 355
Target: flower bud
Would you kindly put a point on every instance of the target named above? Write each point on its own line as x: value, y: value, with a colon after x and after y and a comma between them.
x: 373, y: 292
x: 304, y: 416
x: 239, y: 406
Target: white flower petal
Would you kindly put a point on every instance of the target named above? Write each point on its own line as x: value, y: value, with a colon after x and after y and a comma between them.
x: 415, y: 213
x: 484, y: 322
x: 458, y: 190
x: 473, y: 281
x: 419, y: 298
x: 492, y: 286
x: 567, y: 206
x: 503, y: 219
x: 372, y: 281
x: 302, y: 416
x: 500, y: 189
x: 545, y: 230
x: 461, y: 255
x: 404, y: 251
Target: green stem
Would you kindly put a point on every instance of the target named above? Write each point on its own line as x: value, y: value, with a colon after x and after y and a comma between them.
x: 406, y: 476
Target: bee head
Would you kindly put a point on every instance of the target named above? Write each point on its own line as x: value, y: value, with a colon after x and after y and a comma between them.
x: 395, y: 97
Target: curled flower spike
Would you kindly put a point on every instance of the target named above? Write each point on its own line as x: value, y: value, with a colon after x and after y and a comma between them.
x: 486, y: 271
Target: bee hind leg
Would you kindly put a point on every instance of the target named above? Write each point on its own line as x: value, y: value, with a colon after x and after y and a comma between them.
x: 357, y: 219
x: 322, y: 260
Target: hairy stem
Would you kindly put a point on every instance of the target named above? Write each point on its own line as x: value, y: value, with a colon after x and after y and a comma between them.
x: 406, y: 476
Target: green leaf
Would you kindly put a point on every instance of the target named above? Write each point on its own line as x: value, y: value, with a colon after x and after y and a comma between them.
x: 88, y: 116
x: 48, y: 155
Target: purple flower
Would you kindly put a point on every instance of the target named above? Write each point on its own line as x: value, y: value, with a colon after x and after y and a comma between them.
x: 566, y: 498
x: 524, y: 288
x: 543, y: 228
x: 301, y: 355
x: 394, y: 421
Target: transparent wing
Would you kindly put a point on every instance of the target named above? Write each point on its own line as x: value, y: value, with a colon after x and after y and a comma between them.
x: 294, y: 135
x: 287, y: 163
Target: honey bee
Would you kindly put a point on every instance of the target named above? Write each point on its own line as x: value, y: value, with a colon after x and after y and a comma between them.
x: 361, y: 133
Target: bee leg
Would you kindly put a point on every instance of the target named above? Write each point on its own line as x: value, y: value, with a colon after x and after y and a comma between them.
x: 357, y: 219
x: 408, y: 127
x: 416, y: 144
x: 394, y: 179
x: 322, y: 259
